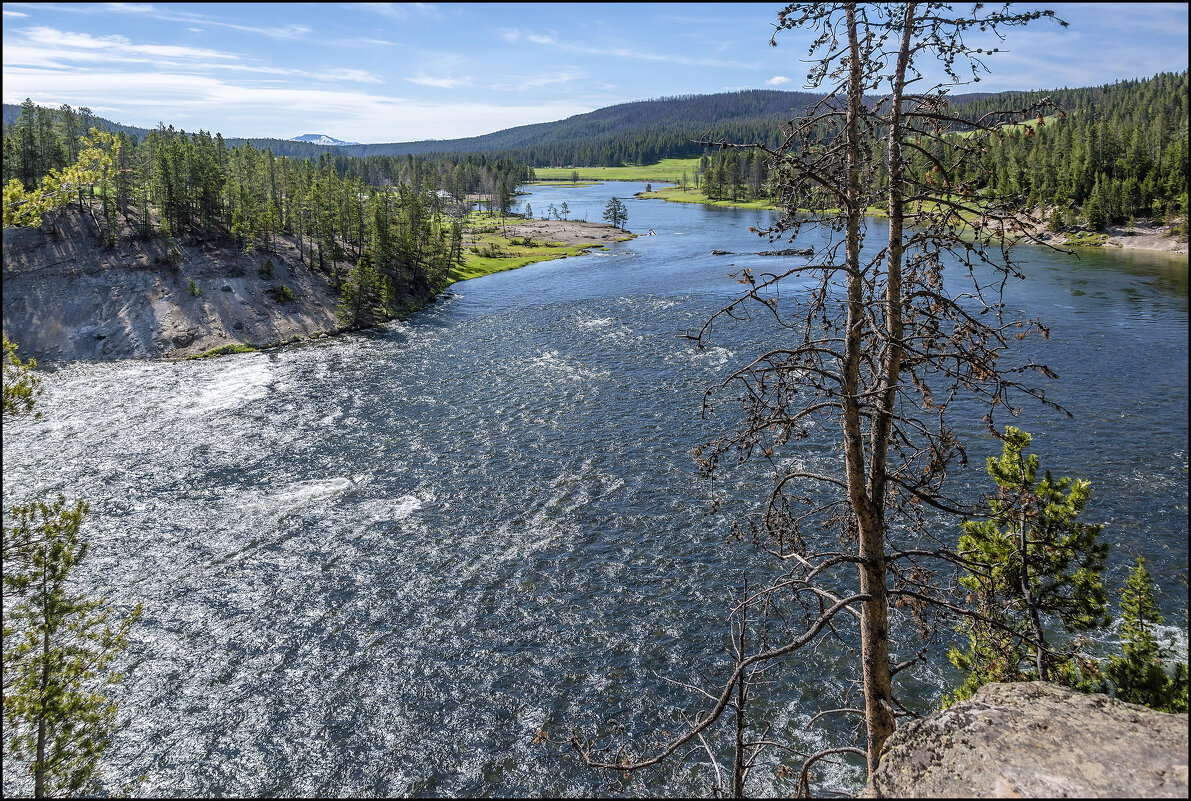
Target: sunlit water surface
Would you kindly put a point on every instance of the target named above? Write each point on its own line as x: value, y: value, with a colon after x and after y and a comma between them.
x: 379, y: 564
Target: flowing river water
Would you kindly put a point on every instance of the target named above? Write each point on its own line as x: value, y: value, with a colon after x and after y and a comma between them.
x: 379, y: 564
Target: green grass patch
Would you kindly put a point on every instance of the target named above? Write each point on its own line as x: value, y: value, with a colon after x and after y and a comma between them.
x: 666, y: 170
x: 223, y: 350
x: 675, y: 195
x: 574, y: 184
x: 1086, y: 239
x: 487, y: 250
x: 1016, y: 128
x: 475, y: 265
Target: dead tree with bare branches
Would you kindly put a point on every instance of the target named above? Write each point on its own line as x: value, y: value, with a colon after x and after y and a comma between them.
x: 876, y: 341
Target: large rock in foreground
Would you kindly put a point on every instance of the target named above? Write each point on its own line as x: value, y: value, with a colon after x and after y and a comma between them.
x: 1036, y: 739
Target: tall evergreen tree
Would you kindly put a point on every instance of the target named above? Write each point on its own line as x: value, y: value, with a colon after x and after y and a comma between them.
x: 57, y: 643
x: 1139, y: 676
x: 57, y: 647
x: 1031, y: 561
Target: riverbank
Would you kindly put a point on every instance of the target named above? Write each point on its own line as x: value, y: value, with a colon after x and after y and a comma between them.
x: 68, y: 298
x: 676, y: 194
x: 664, y: 171
x: 1143, y: 235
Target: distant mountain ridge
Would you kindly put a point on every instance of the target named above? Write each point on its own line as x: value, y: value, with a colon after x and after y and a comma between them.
x: 640, y: 132
x: 664, y: 124
x: 322, y: 139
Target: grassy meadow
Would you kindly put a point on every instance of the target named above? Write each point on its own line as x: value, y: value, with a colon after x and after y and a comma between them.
x: 665, y: 171
x: 675, y: 195
x: 490, y: 247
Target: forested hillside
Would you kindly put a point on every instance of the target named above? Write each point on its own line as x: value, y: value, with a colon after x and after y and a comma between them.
x: 378, y: 226
x: 1120, y: 152
x: 639, y: 132
x: 1110, y: 154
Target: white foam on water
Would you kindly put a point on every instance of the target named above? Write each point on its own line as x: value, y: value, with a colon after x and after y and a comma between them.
x: 595, y: 322
x: 382, y: 510
x: 554, y: 363
x: 716, y: 355
x: 281, y: 502
x: 243, y: 379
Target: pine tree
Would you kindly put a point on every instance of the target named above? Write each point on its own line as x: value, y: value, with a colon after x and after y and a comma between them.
x: 1139, y: 677
x: 21, y: 386
x: 1030, y: 561
x: 57, y: 646
x: 615, y: 213
x: 1094, y: 210
x: 364, y: 295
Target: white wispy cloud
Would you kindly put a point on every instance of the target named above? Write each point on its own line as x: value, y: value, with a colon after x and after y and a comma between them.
x: 777, y: 80
x: 552, y: 40
x: 170, y: 14
x: 9, y: 13
x: 129, y: 8
x: 440, y: 83
x: 87, y: 45
x: 526, y: 82
x: 353, y: 75
x: 400, y: 10
x: 52, y: 49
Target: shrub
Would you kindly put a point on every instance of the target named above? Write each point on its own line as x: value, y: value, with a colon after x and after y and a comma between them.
x: 194, y: 289
x: 224, y: 350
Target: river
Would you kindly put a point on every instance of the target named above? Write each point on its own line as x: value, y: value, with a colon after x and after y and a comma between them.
x: 379, y: 564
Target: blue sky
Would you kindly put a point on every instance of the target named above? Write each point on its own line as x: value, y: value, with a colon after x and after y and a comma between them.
x: 400, y: 72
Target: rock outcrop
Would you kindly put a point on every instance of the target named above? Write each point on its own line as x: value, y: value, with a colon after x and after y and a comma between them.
x: 1034, y: 739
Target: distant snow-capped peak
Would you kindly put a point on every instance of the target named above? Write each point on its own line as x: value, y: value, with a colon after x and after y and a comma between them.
x: 321, y: 139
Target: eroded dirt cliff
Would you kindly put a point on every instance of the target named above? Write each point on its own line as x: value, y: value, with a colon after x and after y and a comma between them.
x: 68, y: 297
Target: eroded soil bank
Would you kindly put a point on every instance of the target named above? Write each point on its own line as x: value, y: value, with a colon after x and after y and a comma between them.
x: 67, y: 297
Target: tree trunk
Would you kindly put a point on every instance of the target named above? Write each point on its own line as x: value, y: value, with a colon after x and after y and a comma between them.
x: 39, y: 765
x: 741, y: 700
x: 874, y: 612
x: 1028, y: 597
